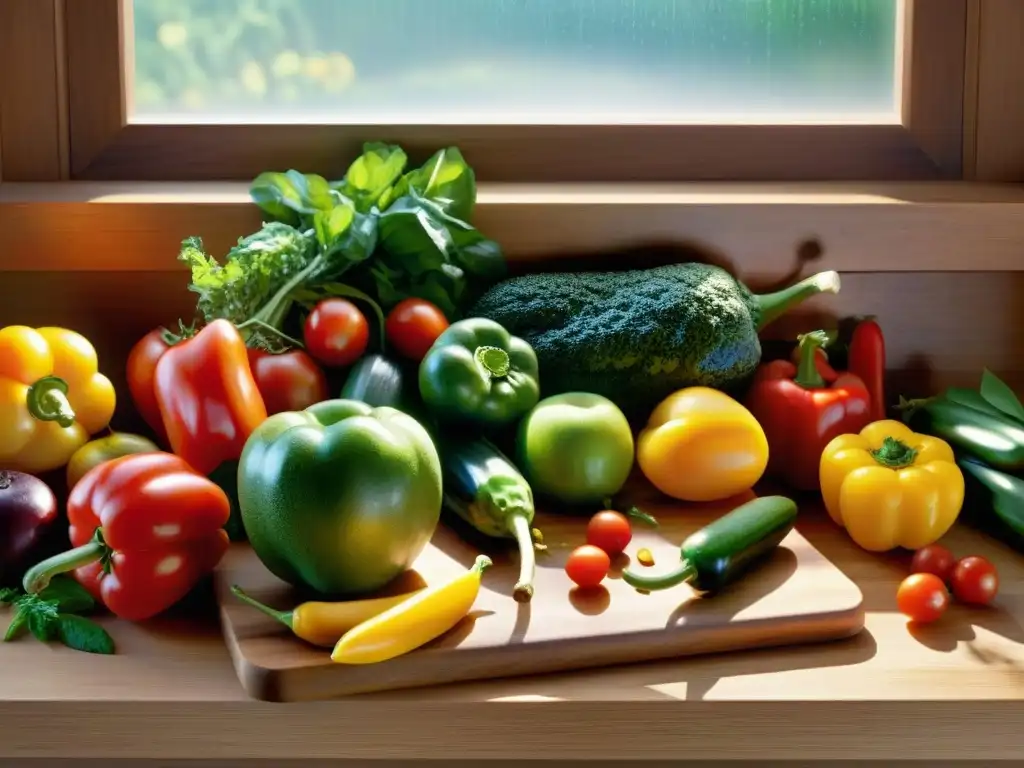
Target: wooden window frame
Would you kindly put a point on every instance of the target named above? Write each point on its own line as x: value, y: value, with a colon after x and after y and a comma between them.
x: 926, y: 144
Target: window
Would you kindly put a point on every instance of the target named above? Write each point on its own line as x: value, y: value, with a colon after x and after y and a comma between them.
x: 515, y: 61
x: 531, y: 90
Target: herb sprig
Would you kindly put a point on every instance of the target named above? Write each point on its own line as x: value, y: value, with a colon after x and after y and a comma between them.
x: 54, y: 615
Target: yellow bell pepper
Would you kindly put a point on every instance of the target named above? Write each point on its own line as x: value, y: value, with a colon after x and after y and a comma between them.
x: 702, y: 445
x: 414, y: 622
x: 51, y: 397
x: 890, y: 487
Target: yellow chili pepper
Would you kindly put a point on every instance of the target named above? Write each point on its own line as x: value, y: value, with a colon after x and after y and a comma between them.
x: 51, y: 397
x: 324, y: 623
x: 414, y: 622
x: 890, y: 487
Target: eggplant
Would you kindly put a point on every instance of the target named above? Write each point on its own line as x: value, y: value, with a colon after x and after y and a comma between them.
x: 28, y: 509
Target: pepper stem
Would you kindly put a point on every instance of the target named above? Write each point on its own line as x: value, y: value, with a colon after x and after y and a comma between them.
x: 481, y: 564
x: 774, y: 305
x: 494, y: 360
x: 807, y: 374
x: 684, y: 572
x: 894, y: 454
x: 38, y: 577
x: 48, y: 401
x: 519, y: 526
x: 285, y: 617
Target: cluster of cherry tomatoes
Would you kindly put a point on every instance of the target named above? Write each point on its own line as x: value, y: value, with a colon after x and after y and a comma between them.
x: 924, y: 596
x: 336, y: 333
x: 608, y: 534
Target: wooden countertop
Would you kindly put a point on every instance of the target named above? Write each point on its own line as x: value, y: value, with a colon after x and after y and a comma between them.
x: 954, y: 690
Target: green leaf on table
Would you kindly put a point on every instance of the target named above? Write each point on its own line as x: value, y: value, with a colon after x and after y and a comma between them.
x: 70, y: 596
x: 19, y: 621
x: 998, y: 394
x: 42, y: 617
x: 372, y: 175
x: 81, y: 634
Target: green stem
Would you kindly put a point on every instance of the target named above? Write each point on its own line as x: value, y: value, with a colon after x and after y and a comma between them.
x: 252, y: 321
x: 482, y: 563
x: 807, y: 374
x: 48, y: 401
x: 285, y: 617
x: 37, y: 578
x: 774, y: 305
x: 274, y: 311
x: 894, y: 454
x: 519, y: 526
x: 494, y: 360
x: 684, y: 572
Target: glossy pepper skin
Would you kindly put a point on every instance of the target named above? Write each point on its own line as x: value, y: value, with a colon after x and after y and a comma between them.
x: 141, y: 376
x: 890, y: 487
x: 146, y: 528
x: 802, y: 408
x: 208, y: 399
x: 477, y: 373
x: 52, y: 397
x: 340, y: 498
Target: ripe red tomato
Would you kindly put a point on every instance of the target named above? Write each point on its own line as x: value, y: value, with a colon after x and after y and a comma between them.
x: 934, y: 559
x: 610, y: 531
x: 922, y: 597
x: 141, y: 374
x: 290, y: 381
x: 336, y: 332
x: 975, y: 581
x: 413, y: 326
x: 588, y: 565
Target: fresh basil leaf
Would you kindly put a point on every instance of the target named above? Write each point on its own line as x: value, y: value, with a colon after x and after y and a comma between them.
x: 445, y: 179
x: 372, y: 175
x: 314, y: 192
x: 330, y: 226
x: 81, y: 634
x: 997, y: 393
x: 70, y: 596
x: 42, y: 617
x: 277, y: 197
x: 414, y: 237
x: 18, y: 623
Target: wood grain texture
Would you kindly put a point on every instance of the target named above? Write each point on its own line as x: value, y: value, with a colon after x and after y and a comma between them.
x: 33, y: 93
x: 960, y: 681
x: 759, y: 230
x: 999, y: 91
x: 795, y: 597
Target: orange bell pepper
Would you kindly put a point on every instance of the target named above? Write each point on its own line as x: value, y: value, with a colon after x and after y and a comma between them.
x: 52, y: 397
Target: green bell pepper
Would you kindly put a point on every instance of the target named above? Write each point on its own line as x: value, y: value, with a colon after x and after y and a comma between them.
x: 340, y: 498
x: 478, y: 373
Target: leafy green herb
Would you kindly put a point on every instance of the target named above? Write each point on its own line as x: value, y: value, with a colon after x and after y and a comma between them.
x: 381, y: 234
x: 51, y: 615
x: 998, y: 394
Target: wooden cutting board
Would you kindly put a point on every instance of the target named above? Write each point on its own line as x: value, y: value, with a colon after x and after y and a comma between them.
x: 796, y: 596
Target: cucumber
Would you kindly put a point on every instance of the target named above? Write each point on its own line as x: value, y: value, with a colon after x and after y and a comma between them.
x: 484, y: 488
x: 722, y: 551
x: 994, y: 503
x: 994, y: 438
x: 376, y: 381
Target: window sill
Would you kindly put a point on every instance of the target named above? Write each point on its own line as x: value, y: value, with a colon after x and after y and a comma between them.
x: 758, y: 229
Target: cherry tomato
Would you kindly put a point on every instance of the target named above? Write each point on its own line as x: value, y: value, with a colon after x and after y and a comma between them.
x: 141, y: 373
x: 588, y: 565
x: 413, y: 326
x: 922, y: 597
x: 336, y: 332
x: 290, y: 381
x: 610, y: 531
x: 934, y: 559
x: 975, y: 581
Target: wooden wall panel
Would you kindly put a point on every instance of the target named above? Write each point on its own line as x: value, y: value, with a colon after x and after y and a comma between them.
x: 942, y: 328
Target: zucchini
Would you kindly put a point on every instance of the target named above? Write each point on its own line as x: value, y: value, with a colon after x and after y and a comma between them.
x: 994, y: 503
x: 376, y: 381
x: 485, y: 489
x: 722, y: 551
x: 993, y: 438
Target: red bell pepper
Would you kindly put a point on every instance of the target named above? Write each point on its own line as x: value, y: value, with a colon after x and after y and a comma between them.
x: 208, y: 399
x: 146, y: 528
x: 289, y: 381
x: 867, y: 360
x: 801, y: 411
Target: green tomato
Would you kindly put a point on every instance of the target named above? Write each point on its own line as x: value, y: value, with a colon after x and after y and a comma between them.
x: 104, y: 449
x: 576, y: 448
